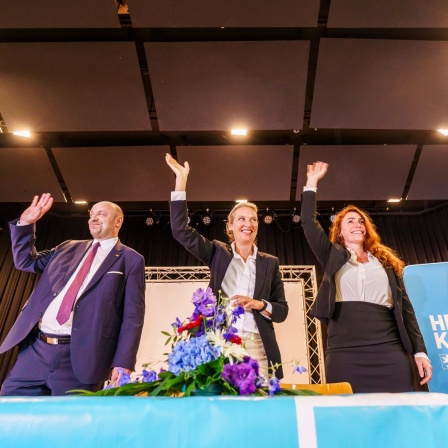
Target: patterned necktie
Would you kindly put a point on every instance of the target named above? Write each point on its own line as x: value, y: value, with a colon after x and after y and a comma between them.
x: 72, y: 292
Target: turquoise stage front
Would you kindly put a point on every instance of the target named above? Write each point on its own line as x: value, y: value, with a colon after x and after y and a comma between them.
x: 370, y: 420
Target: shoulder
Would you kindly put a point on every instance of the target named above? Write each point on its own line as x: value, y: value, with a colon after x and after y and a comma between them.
x: 268, y: 257
x: 72, y: 244
x: 128, y: 251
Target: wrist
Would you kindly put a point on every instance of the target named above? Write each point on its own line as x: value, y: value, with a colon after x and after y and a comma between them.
x: 265, y: 305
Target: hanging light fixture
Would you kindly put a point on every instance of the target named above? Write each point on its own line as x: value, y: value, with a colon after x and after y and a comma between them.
x: 295, y: 216
x: 206, y: 218
x: 268, y: 217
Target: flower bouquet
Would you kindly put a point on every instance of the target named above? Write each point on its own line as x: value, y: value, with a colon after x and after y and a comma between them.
x: 207, y: 358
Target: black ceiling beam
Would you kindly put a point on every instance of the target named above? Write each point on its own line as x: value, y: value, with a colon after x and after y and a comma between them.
x: 217, y: 138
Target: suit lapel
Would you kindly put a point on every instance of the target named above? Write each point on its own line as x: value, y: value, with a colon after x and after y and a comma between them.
x: 393, y: 285
x: 226, y: 257
x: 111, y: 258
x: 77, y: 257
x: 261, y: 266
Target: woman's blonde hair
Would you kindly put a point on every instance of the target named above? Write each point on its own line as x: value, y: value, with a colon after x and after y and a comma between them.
x: 231, y: 216
x: 372, y: 241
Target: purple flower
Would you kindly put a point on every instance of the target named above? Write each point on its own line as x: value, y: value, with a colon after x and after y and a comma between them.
x: 205, y: 303
x: 229, y: 333
x: 274, y: 386
x: 176, y: 324
x: 236, y: 313
x: 123, y: 377
x: 253, y: 363
x: 149, y: 376
x: 299, y: 369
x: 242, y: 376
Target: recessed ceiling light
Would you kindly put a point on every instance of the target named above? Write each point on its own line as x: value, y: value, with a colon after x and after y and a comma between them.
x: 238, y: 131
x: 394, y: 200
x: 26, y: 134
x: 80, y: 202
x: 443, y: 131
x: 241, y: 201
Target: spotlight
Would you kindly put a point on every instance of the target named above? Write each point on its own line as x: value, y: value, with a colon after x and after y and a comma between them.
x: 206, y: 218
x: 268, y: 218
x: 295, y: 217
x: 152, y: 219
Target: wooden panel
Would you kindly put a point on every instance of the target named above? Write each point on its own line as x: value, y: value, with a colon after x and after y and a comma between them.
x: 229, y: 13
x: 26, y: 172
x: 380, y: 84
x: 358, y: 172
x: 223, y: 85
x: 98, y: 87
x: 32, y: 14
x: 228, y: 173
x: 388, y: 14
x: 430, y: 177
x: 116, y: 173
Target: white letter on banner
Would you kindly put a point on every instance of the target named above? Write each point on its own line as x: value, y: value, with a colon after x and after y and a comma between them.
x: 439, y: 321
x: 440, y: 339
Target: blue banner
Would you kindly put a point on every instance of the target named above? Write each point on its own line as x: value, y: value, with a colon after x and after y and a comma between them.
x: 427, y: 287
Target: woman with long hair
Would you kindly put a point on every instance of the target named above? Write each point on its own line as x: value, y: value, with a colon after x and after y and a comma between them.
x: 371, y: 322
x: 243, y: 274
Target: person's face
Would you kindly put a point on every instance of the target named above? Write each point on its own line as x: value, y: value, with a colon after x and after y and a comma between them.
x: 244, y: 226
x: 353, y: 228
x: 104, y: 223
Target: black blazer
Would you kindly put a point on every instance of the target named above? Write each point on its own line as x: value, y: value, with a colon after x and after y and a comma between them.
x: 332, y: 256
x: 217, y: 256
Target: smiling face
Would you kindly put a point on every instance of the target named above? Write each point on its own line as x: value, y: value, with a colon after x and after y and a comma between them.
x: 353, y: 229
x: 105, y: 220
x: 244, y: 226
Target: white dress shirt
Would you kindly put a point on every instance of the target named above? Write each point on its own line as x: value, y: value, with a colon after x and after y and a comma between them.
x: 363, y: 282
x: 48, y: 323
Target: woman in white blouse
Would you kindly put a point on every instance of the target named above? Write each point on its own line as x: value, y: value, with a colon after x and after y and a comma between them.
x: 371, y: 322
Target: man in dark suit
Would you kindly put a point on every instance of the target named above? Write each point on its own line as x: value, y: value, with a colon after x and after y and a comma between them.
x: 82, y: 324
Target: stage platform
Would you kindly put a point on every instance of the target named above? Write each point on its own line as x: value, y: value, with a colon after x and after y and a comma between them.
x: 365, y: 420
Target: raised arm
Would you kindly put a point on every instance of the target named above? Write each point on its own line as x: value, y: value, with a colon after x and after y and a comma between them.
x: 314, y: 234
x: 314, y: 173
x: 180, y: 171
x: 193, y: 241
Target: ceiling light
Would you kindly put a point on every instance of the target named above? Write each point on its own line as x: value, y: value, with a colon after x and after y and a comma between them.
x: 443, y: 131
x: 268, y: 218
x: 206, y: 218
x: 26, y: 134
x: 332, y: 218
x: 394, y: 200
x: 295, y: 217
x: 238, y: 131
x: 241, y: 201
x: 80, y: 202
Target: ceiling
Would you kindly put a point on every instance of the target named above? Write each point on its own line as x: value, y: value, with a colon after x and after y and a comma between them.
x: 106, y: 90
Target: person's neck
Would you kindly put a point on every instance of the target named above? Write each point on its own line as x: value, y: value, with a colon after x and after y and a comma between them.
x: 244, y: 251
x: 358, y: 249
